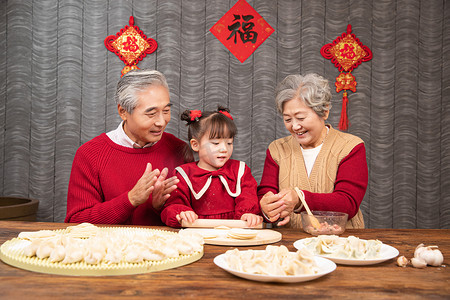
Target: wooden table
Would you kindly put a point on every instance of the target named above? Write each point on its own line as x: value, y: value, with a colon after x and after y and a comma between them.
x: 203, y: 279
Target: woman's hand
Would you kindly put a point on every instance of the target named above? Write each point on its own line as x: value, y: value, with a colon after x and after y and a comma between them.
x: 188, y: 216
x: 272, y: 206
x: 144, y: 187
x: 252, y: 219
x: 290, y: 199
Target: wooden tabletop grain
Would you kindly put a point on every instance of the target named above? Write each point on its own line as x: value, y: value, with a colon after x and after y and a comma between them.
x: 204, y: 280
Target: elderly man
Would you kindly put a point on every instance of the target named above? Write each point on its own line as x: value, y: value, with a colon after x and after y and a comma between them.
x: 120, y: 177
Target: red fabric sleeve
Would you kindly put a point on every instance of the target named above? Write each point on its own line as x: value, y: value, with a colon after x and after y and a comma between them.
x: 178, y: 202
x: 103, y: 173
x: 269, y: 179
x: 349, y: 187
x: 85, y: 201
x: 247, y: 201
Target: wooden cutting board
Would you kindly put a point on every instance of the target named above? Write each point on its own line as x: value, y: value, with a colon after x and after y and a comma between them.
x: 219, y: 237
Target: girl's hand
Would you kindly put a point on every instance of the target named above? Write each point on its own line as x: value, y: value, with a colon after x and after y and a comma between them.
x: 252, y: 219
x: 188, y: 216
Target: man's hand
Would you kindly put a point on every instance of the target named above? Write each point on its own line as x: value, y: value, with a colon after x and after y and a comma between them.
x: 144, y: 187
x: 163, y: 188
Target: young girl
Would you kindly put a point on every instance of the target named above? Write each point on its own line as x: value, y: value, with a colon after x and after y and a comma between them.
x: 214, y: 187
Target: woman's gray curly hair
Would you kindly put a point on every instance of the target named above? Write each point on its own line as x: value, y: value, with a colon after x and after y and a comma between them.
x: 313, y: 89
x: 134, y: 82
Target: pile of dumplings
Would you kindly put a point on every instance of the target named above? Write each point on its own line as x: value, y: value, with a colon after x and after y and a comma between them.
x: 274, y: 260
x: 348, y: 248
x: 88, y: 243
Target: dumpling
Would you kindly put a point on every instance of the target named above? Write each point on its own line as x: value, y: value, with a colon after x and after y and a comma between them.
x: 32, y: 247
x: 74, y: 253
x: 83, y: 230
x: 95, y: 250
x: 45, y: 248
x: 41, y: 234
x: 191, y: 236
x: 113, y: 256
x: 153, y: 254
x: 133, y: 254
x: 58, y: 253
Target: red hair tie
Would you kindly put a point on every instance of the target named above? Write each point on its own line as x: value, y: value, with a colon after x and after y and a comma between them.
x: 195, y: 114
x: 226, y: 114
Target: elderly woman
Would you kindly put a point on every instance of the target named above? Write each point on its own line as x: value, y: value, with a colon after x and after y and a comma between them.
x: 328, y: 166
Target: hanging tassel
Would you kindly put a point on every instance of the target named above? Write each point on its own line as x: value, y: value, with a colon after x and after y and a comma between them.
x: 343, y: 123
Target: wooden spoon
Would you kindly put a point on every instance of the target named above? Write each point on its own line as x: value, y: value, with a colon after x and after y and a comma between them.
x: 314, y: 222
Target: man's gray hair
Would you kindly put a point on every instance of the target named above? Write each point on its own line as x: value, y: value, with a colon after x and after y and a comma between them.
x: 134, y: 82
x: 313, y: 89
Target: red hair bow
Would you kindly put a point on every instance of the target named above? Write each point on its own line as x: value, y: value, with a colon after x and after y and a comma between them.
x: 226, y: 114
x: 195, y: 114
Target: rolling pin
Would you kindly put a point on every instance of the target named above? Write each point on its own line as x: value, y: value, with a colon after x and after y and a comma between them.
x: 211, y: 223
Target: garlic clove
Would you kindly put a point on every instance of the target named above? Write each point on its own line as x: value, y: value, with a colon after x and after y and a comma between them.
x: 418, y: 263
x: 437, y: 258
x: 402, y: 261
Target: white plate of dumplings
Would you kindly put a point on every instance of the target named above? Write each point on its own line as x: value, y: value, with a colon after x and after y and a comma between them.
x: 325, y: 267
x: 386, y: 252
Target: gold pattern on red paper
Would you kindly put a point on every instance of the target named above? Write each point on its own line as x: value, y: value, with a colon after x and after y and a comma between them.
x: 348, y: 52
x: 131, y: 45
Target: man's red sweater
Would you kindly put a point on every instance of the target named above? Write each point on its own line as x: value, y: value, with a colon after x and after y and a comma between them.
x: 103, y: 173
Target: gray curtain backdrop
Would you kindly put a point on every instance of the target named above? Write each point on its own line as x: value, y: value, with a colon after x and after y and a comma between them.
x: 57, y: 81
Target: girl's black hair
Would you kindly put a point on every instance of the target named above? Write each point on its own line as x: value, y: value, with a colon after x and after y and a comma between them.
x: 218, y: 124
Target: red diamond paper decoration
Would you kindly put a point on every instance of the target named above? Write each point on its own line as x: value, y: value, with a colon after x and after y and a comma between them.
x: 131, y: 45
x: 242, y: 30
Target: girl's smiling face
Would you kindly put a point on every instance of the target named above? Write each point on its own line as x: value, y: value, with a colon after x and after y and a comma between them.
x: 213, y: 153
x: 304, y: 124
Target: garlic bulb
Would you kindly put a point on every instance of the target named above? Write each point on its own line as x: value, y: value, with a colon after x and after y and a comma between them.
x: 430, y: 255
x: 402, y: 261
x: 418, y: 263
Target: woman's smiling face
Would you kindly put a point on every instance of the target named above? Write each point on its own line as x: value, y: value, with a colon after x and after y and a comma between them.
x: 304, y: 124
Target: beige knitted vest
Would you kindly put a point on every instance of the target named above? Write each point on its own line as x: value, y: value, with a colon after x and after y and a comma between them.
x: 292, y: 171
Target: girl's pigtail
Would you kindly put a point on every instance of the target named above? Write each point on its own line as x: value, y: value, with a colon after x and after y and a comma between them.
x: 191, y: 116
x: 225, y: 111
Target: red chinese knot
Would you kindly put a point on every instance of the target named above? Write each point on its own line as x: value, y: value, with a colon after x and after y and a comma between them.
x: 131, y: 45
x: 347, y: 53
x: 242, y: 30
